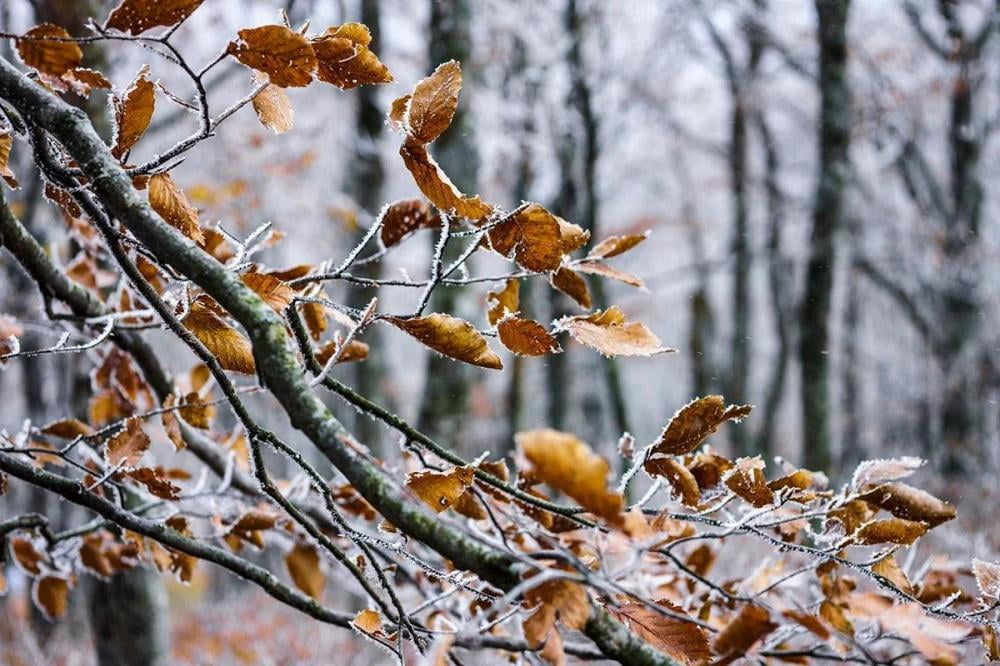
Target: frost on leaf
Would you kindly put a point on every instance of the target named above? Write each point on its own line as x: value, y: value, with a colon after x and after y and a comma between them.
x: 611, y: 334
x: 51, y: 596
x: 272, y: 106
x: 170, y: 202
x: 228, y: 345
x: 615, y: 245
x: 401, y: 219
x: 138, y: 16
x: 450, y: 336
x: 531, y: 237
x: 684, y: 641
x: 891, y: 530
x: 344, y: 59
x: 6, y: 142
x: 987, y: 578
x: 128, y: 446
x: 434, y: 101
x: 133, y: 111
x: 694, y: 422
x: 526, y: 337
x: 503, y: 301
x: 53, y: 57
x: 278, y: 51
x: 905, y: 501
x: 570, y: 283
x: 436, y: 185
x: 439, y: 490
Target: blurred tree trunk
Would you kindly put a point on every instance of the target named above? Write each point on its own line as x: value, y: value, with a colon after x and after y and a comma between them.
x: 446, y: 390
x: 814, y: 312
x: 853, y: 451
x: 366, y: 179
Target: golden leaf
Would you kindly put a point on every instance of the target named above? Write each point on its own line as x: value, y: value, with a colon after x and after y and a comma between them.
x: 397, y: 113
x: 68, y: 429
x: 440, y: 489
x: 368, y: 621
x: 564, y: 600
x: 171, y: 425
x: 680, y: 477
x: 49, y: 56
x: 683, y: 641
x: 133, y: 111
x: 570, y: 283
x: 905, y: 501
x: 436, y: 185
x: 155, y: 483
x: 344, y: 59
x: 452, y: 337
x: 26, y: 555
x: 884, y: 469
x: 228, y: 345
x: 889, y: 568
x: 746, y: 479
x: 694, y: 422
x: 750, y: 625
x: 434, y: 102
x: 355, y: 351
x: 138, y: 16
x: 51, y: 596
x: 603, y: 270
x: 891, y: 530
x: 272, y: 291
x: 526, y: 337
x: 810, y: 622
x: 566, y: 463
x: 615, y: 245
x: 531, y: 238
x: 249, y: 528
x: 572, y: 236
x: 83, y: 80
x: 283, y: 54
x: 503, y: 301
x: 6, y: 143
x: 611, y: 334
x: 402, y: 218
x: 197, y: 412
x: 302, y: 562
x: 170, y: 202
x: 128, y: 446
x: 987, y: 578
x: 834, y: 616
x: 273, y: 107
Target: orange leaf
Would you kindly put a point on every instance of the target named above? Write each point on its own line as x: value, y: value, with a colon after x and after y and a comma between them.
x: 273, y: 107
x: 434, y: 102
x: 171, y: 425
x: 452, y: 337
x: 598, y: 268
x: 138, y: 16
x: 129, y: 445
x: 6, y: 142
x: 273, y: 291
x: 51, y: 596
x: 750, y: 625
x: 694, y: 422
x: 68, y: 429
x: 368, y: 621
x: 49, y: 56
x: 905, y: 501
x: 303, y: 566
x: 283, y: 54
x: 344, y: 59
x: 683, y: 641
x: 440, y: 490
x: 570, y: 283
x: 402, y: 218
x: 611, y: 334
x: 504, y: 301
x: 615, y: 245
x: 170, y: 202
x: 229, y: 346
x: 26, y: 555
x: 155, y: 483
x: 133, y: 111
x: 532, y: 237
x: 436, y: 185
x: 891, y: 530
x: 746, y: 479
x: 680, y: 477
x: 526, y: 337
x: 564, y: 600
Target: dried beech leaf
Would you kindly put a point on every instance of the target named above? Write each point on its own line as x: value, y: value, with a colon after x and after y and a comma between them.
x: 402, y: 218
x: 197, y: 412
x: 526, y: 337
x: 452, y: 337
x: 170, y: 202
x: 531, y: 238
x: 889, y: 568
x: 51, y: 596
x: 155, y: 483
x: 272, y: 291
x: 133, y: 111
x: 750, y: 625
x: 368, y: 621
x: 26, y: 555
x: 397, y: 114
x: 746, y: 479
x: 570, y: 283
x: 302, y: 562
x: 553, y: 600
x: 228, y: 345
x: 891, y: 530
x: 171, y: 425
x: 615, y: 245
x: 987, y: 578
x: 6, y: 143
x: 440, y: 489
x: 810, y: 622
x: 138, y: 16
x: 436, y: 185
x: 834, y: 616
x: 355, y: 351
x: 684, y: 641
x: 905, y: 501
x: 434, y: 102
x: 611, y: 334
x: 566, y: 463
x: 694, y: 422
x: 344, y: 59
x: 49, y: 56
x: 283, y: 54
x: 68, y: 429
x: 680, y: 477
x: 884, y: 469
x: 128, y: 446
x: 603, y: 270
x: 273, y: 107
x: 572, y: 236
x: 503, y: 301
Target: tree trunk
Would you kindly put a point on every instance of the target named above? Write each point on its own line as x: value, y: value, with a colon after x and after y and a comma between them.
x: 814, y: 313
x: 120, y: 613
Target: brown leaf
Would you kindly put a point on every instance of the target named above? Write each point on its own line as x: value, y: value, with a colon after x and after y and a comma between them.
x: 51, y: 596
x: 273, y: 107
x: 133, y: 111
x: 566, y: 463
x: 603, y: 270
x: 434, y: 102
x: 440, y: 489
x: 368, y: 621
x: 684, y: 641
x: 526, y: 337
x: 355, y: 351
x: 531, y: 238
x: 611, y: 334
x: 283, y: 54
x: 452, y: 337
x: 138, y: 16
x: 834, y: 616
x: 68, y: 429
x: 905, y: 501
x: 155, y: 483
x: 570, y: 283
x: 562, y: 600
x: 6, y: 142
x: 615, y: 245
x: 746, y: 479
x: 397, y: 113
x: 250, y: 528
x: 436, y: 185
x: 987, y: 578
x: 891, y: 530
x: 303, y: 566
x: 503, y: 301
x: 128, y: 446
x: 572, y: 236
x: 694, y: 422
x: 170, y: 202
x: 229, y: 346
x: 171, y: 425
x: 273, y: 291
x: 750, y: 625
x: 680, y: 477
x: 49, y: 56
x: 26, y: 555
x: 810, y: 622
x: 344, y: 59
x: 401, y: 219
x: 889, y: 568
x: 197, y: 412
